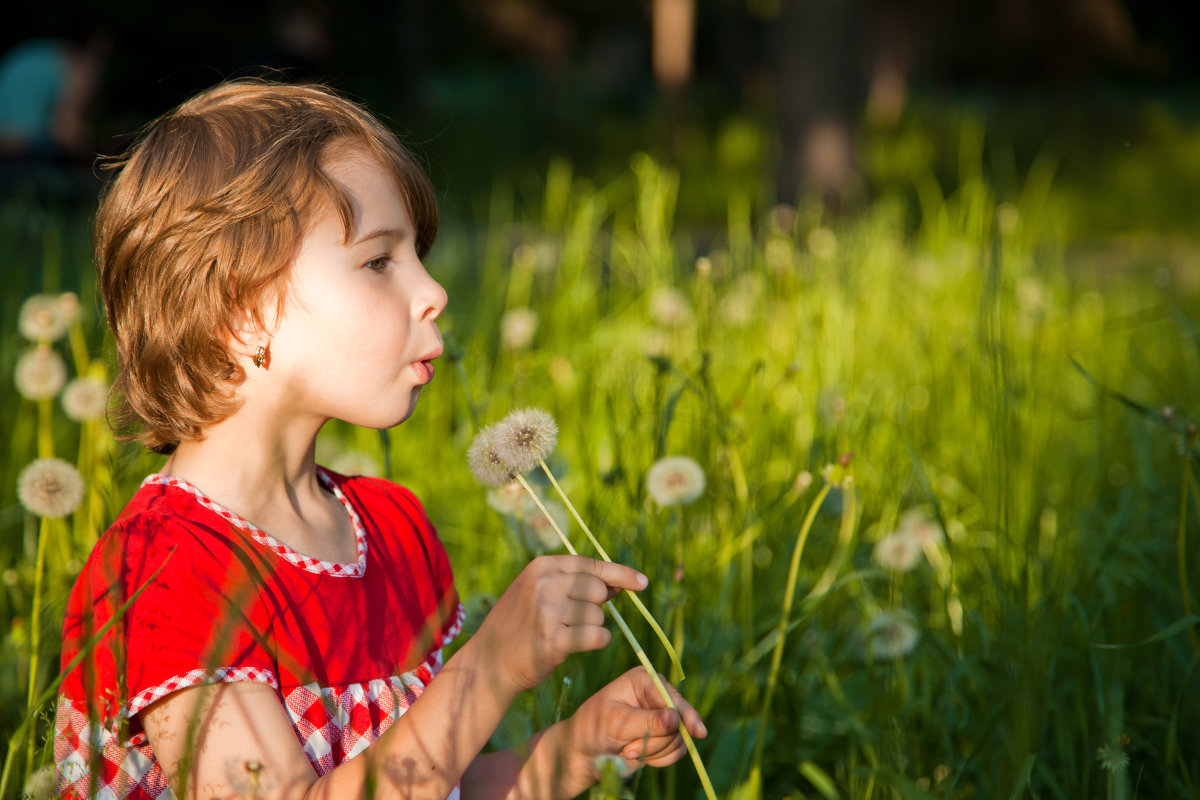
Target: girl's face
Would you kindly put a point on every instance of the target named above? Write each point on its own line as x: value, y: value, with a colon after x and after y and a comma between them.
x: 357, y: 338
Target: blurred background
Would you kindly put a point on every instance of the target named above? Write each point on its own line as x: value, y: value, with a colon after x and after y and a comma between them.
x: 785, y: 96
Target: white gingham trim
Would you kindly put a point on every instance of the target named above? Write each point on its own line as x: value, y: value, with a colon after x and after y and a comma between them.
x: 198, y: 677
x: 307, y: 563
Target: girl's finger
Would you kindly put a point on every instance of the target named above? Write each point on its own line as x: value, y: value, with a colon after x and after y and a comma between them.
x: 581, y: 638
x: 584, y: 614
x: 587, y: 588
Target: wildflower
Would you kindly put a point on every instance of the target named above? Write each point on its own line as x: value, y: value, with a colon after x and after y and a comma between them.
x: 891, y: 634
x: 85, y: 398
x: 804, y: 480
x: 50, y: 487
x: 40, y: 373
x: 897, y: 552
x: 524, y: 438
x: 41, y: 318
x: 1112, y: 756
x: 517, y: 327
x: 355, y: 462
x: 670, y: 308
x: 538, y: 530
x: 486, y: 465
x: 675, y: 481
x: 506, y: 499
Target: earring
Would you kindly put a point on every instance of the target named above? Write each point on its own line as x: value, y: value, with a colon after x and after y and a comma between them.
x: 260, y: 356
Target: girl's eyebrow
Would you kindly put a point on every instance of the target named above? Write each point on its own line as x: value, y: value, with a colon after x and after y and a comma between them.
x: 394, y: 233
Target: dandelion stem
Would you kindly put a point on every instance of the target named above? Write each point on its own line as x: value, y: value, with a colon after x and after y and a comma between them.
x: 785, y: 617
x: 637, y: 649
x: 45, y: 433
x: 1181, y: 548
x: 35, y: 633
x: 637, y: 601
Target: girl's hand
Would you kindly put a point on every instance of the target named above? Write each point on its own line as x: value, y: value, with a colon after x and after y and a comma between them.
x: 552, y: 609
x: 628, y: 718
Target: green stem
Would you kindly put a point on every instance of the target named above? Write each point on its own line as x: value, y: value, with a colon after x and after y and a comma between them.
x: 35, y: 634
x: 637, y: 650
x: 637, y: 601
x: 45, y: 433
x: 784, y: 618
x: 1181, y: 549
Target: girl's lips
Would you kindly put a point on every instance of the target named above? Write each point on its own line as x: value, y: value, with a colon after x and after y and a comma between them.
x: 424, y: 370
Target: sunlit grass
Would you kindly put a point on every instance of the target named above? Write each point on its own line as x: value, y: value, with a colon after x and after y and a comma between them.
x: 963, y: 360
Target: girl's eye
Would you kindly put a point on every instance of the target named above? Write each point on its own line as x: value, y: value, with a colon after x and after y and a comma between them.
x: 378, y: 264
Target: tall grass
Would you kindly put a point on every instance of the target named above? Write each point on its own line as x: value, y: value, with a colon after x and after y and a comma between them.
x: 977, y: 370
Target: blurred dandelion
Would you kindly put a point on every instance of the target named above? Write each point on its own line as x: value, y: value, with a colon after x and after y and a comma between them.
x: 778, y: 255
x: 670, y: 308
x: 484, y: 462
x: 611, y: 769
x: 675, y: 481
x: 68, y: 307
x: 891, y: 634
x: 538, y: 529
x: 50, y: 487
x: 897, y: 552
x: 822, y: 242
x: 85, y: 398
x: 41, y: 785
x: 506, y: 499
x: 356, y: 462
x: 1112, y: 756
x: 40, y: 373
x: 926, y: 532
x: 524, y: 438
x: 41, y: 318
x: 803, y: 480
x: 517, y: 327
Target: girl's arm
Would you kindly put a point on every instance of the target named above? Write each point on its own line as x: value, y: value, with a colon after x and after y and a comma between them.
x: 216, y: 735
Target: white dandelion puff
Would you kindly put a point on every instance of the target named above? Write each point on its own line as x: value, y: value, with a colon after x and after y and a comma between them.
x: 916, y: 523
x: 675, y: 481
x: 41, y: 318
x: 85, y: 398
x: 537, y: 529
x: 68, y: 307
x: 356, y: 462
x: 506, y: 499
x: 485, y: 463
x: 891, y: 634
x: 50, y: 487
x: 670, y: 308
x: 1112, y: 756
x: 525, y: 437
x: 41, y: 784
x: 40, y: 373
x: 897, y: 552
x: 517, y: 327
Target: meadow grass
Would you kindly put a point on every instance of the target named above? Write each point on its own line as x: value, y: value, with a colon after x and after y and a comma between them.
x: 988, y: 380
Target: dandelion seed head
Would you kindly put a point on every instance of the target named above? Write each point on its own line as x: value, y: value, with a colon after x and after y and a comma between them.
x: 85, y: 398
x: 538, y: 532
x: 41, y: 318
x: 524, y: 438
x: 897, y: 552
x: 804, y: 479
x: 778, y: 254
x: 41, y: 784
x: 485, y: 463
x: 506, y: 499
x: 670, y: 308
x: 1112, y: 757
x: 40, y: 373
x: 50, y: 487
x: 822, y: 242
x: 517, y: 327
x: 675, y: 481
x: 891, y: 634
x: 917, y: 523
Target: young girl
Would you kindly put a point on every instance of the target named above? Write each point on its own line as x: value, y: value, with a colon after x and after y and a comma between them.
x: 276, y: 629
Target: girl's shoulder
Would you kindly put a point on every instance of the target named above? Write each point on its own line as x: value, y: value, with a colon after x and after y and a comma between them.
x: 379, y: 497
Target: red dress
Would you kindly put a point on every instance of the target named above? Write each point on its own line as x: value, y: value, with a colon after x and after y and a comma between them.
x: 347, y: 647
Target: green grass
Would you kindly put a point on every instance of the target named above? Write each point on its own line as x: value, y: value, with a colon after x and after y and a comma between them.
x: 967, y: 357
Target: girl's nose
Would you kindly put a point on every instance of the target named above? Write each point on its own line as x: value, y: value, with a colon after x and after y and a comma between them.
x: 429, y: 300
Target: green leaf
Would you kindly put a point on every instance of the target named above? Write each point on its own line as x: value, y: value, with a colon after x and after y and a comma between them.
x: 1178, y: 626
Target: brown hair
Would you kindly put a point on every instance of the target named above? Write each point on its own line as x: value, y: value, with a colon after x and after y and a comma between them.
x: 199, y: 228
